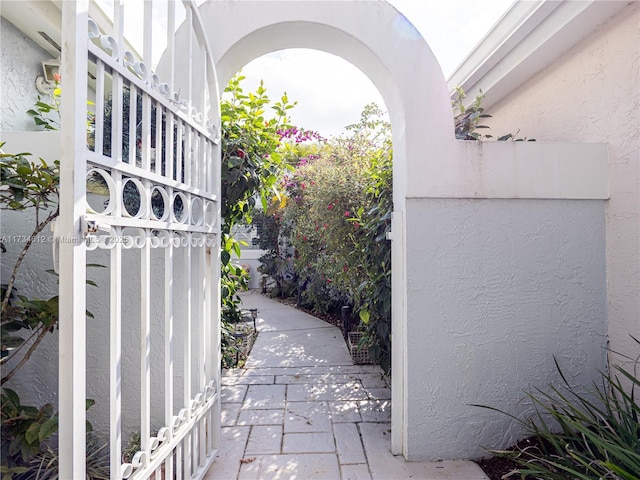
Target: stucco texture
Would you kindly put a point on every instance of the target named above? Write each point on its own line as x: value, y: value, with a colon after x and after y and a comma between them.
x: 497, y: 288
x: 20, y: 58
x: 592, y: 94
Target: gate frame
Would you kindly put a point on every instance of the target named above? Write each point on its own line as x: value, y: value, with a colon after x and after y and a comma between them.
x: 200, y: 414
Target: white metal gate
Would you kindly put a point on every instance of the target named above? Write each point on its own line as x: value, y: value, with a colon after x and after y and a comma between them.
x: 149, y: 190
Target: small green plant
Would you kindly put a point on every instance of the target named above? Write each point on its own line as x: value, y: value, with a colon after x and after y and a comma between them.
x: 133, y: 446
x: 582, y: 435
x: 467, y: 119
x: 46, y: 112
x: 44, y: 464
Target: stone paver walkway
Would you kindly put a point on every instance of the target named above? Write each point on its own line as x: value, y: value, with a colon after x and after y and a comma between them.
x: 301, y: 410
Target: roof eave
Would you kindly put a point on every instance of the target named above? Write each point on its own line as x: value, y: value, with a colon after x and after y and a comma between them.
x: 529, y: 37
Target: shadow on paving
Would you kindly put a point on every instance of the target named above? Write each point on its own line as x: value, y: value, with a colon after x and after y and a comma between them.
x: 300, y: 409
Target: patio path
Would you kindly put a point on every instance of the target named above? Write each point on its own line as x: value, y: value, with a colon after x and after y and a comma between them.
x: 301, y: 409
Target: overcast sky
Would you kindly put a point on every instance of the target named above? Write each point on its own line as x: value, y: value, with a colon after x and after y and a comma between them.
x: 331, y: 92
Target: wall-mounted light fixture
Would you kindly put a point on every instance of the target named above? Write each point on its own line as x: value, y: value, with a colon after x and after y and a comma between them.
x: 46, y: 81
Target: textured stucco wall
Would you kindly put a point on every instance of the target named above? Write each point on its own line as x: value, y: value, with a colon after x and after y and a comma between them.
x: 592, y: 94
x: 496, y: 288
x: 20, y: 61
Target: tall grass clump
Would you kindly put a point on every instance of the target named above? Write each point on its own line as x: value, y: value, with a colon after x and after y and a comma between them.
x: 577, y: 434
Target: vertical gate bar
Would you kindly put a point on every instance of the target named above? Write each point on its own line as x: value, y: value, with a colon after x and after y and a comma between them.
x: 118, y: 25
x: 147, y: 32
x: 187, y: 346
x: 72, y: 291
x: 115, y: 373
x: 204, y: 105
x: 146, y: 131
x: 204, y: 155
x: 187, y: 327
x: 203, y: 341
x: 171, y: 44
x: 179, y: 150
x: 117, y: 103
x: 168, y: 344
x: 215, y: 305
x: 189, y: 92
x: 133, y: 113
x: 188, y: 155
x: 208, y: 321
x: 179, y: 462
x: 204, y: 324
x: 168, y: 156
x: 171, y: 58
x: 159, y: 147
x: 193, y: 157
x: 99, y: 107
x: 145, y: 341
x: 209, y: 333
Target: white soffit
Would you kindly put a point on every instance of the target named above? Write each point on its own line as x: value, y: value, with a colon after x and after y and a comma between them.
x: 529, y: 37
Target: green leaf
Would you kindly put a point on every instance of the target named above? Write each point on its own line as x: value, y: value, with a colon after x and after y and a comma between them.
x: 48, y: 428
x: 364, y: 316
x: 11, y: 396
x: 31, y: 435
x: 9, y: 342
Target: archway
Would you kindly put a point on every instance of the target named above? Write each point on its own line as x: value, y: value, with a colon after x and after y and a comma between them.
x: 465, y: 242
x: 386, y: 47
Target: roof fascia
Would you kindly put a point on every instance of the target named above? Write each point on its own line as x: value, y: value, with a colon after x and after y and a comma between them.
x: 529, y: 37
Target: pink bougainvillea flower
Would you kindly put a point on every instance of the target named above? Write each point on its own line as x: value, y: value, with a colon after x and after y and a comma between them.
x: 347, y: 213
x: 330, y: 207
x: 345, y: 268
x: 325, y: 226
x: 305, y: 238
x: 240, y: 153
x: 356, y: 224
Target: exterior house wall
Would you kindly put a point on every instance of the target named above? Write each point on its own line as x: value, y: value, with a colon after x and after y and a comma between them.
x: 592, y: 94
x: 20, y: 59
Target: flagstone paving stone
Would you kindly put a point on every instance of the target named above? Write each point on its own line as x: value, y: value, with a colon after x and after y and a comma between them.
x: 301, y: 410
x: 318, y: 442
x: 307, y: 417
x: 264, y: 396
x: 261, y: 417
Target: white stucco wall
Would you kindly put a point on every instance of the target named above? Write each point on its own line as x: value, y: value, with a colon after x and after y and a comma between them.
x: 592, y: 94
x: 497, y: 288
x: 20, y: 59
